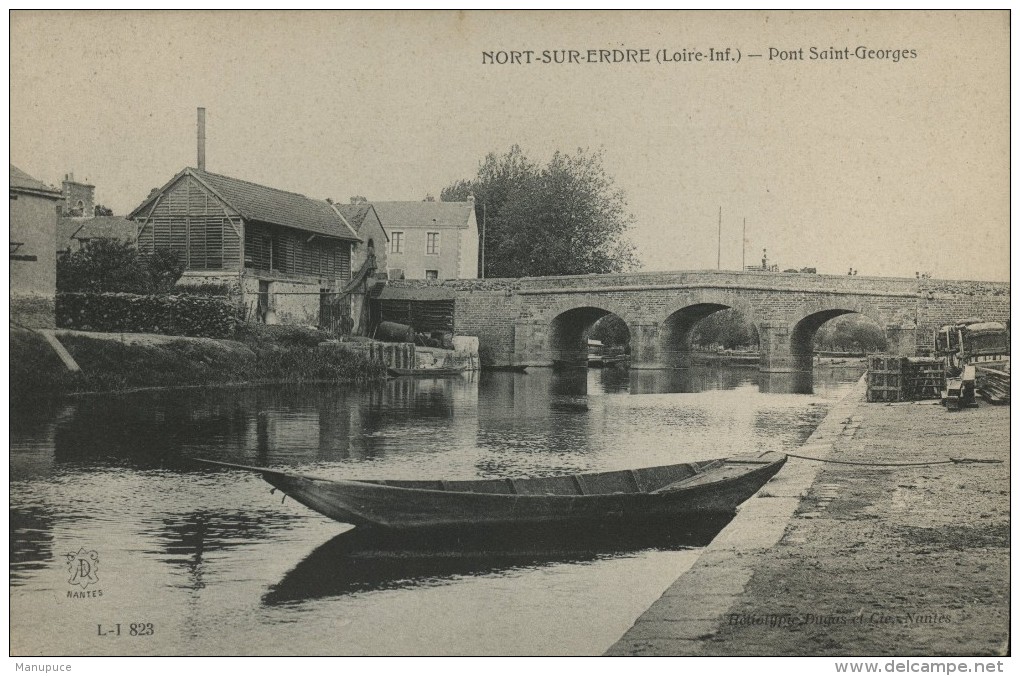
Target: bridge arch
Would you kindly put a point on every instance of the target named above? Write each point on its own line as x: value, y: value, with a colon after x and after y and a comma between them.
x: 672, y: 348
x: 557, y: 333
x: 788, y: 345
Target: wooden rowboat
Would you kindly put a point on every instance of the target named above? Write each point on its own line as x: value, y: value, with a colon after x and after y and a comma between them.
x: 668, y: 493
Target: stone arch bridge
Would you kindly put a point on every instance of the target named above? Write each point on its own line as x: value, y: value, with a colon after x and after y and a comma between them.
x: 535, y: 321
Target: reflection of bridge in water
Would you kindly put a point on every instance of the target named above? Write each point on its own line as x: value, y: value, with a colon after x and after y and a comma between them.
x: 539, y: 321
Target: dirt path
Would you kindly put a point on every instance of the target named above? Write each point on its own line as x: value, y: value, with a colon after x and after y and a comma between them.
x: 872, y: 560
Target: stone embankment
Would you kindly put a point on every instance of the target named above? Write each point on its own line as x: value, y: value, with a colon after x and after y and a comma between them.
x: 842, y: 559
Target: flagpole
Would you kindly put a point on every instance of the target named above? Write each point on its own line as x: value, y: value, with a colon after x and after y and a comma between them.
x: 718, y: 254
x: 743, y: 247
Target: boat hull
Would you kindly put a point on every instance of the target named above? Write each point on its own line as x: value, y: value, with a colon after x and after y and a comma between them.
x: 395, y: 507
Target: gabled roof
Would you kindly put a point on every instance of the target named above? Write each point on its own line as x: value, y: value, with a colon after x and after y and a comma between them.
x: 67, y: 228
x: 355, y: 214
x: 100, y: 227
x: 424, y: 214
x: 22, y: 181
x: 269, y: 205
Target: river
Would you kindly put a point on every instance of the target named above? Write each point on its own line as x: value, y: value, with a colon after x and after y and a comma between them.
x: 202, y: 561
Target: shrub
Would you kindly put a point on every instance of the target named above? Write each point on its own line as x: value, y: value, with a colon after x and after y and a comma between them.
x: 111, y: 265
x: 181, y: 315
x: 165, y: 267
x: 257, y: 335
x: 102, y: 265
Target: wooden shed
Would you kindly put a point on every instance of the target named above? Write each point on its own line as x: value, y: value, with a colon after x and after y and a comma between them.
x: 426, y: 309
x: 284, y: 248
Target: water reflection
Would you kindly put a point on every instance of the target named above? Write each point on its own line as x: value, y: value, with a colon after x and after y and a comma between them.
x: 694, y: 379
x: 31, y: 532
x: 509, y: 414
x: 366, y: 560
x: 213, y: 548
x: 186, y: 540
x: 800, y: 382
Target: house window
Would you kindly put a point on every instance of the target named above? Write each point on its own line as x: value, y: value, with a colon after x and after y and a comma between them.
x: 432, y: 244
x: 432, y: 274
x: 396, y: 242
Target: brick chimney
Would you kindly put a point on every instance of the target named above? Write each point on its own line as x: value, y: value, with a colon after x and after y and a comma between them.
x: 201, y: 139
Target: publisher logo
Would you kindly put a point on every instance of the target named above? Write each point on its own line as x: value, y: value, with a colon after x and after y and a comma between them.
x: 83, y: 567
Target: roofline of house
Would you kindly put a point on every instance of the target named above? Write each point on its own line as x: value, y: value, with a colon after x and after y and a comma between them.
x: 76, y: 230
x: 190, y: 171
x: 38, y: 192
x: 461, y: 226
x: 157, y: 193
x: 344, y: 221
x: 381, y: 224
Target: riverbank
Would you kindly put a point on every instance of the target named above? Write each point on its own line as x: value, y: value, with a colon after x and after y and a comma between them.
x: 854, y: 560
x: 115, y: 362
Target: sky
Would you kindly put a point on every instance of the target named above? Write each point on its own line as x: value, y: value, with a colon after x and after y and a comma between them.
x: 892, y: 165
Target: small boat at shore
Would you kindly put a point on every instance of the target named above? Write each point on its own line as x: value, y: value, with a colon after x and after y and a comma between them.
x: 443, y: 372
x: 664, y: 494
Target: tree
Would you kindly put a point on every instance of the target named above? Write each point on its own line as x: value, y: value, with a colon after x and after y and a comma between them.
x: 111, y: 265
x: 729, y: 328
x: 565, y: 218
x: 100, y: 210
x: 611, y: 330
x: 850, y: 333
x: 165, y: 267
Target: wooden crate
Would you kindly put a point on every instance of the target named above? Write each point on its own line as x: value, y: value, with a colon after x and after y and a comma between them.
x: 885, y: 363
x: 885, y: 378
x: 923, y: 378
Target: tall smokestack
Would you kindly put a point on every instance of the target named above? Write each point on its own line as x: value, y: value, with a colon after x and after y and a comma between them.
x: 201, y: 139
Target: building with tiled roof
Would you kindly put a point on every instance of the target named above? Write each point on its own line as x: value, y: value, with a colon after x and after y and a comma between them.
x: 430, y: 240
x: 75, y: 233
x: 289, y: 254
x: 33, y: 235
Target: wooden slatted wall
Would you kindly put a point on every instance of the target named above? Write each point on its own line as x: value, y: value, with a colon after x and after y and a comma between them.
x: 423, y: 315
x: 290, y: 251
x: 187, y: 218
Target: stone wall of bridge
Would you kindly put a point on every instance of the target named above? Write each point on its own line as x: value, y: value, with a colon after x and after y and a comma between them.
x: 525, y: 321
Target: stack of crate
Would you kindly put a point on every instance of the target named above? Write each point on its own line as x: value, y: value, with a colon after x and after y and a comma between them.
x: 923, y: 378
x: 885, y: 378
x: 893, y: 378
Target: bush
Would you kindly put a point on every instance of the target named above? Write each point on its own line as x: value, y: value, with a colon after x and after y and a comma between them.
x: 180, y: 315
x: 260, y: 335
x: 165, y: 267
x: 116, y: 266
x: 110, y: 365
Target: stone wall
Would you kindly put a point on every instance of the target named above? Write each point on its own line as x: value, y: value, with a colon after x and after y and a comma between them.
x: 489, y: 316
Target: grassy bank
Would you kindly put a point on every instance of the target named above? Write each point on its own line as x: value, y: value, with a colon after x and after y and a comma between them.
x: 258, y: 354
